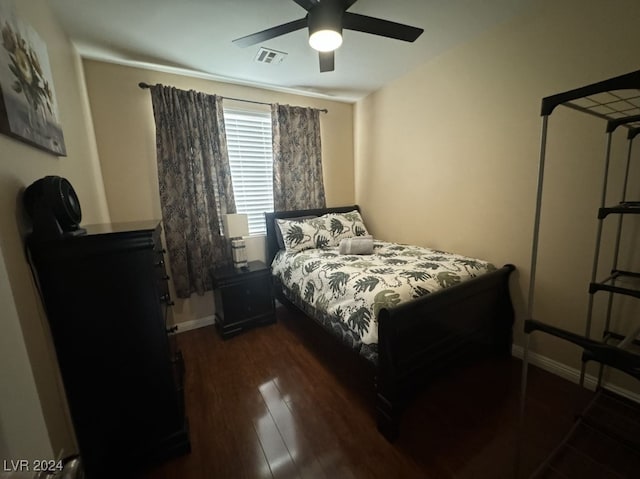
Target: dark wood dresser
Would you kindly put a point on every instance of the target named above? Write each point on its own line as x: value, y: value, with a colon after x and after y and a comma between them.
x: 243, y: 298
x: 106, y: 297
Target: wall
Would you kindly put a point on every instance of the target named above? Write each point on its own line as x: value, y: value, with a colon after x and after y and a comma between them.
x: 36, y: 399
x: 23, y: 432
x: 447, y: 155
x: 125, y: 134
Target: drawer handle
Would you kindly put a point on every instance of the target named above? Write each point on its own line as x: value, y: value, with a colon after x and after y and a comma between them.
x: 165, y: 298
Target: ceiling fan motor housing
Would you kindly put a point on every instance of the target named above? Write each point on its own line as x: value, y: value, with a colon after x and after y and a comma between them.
x: 326, y: 16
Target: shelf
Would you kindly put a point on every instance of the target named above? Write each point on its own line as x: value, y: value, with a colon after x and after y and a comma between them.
x: 603, y: 442
x: 607, y: 284
x: 617, y: 418
x: 608, y: 335
x: 595, y: 287
x: 598, y: 351
x: 612, y: 99
x: 624, y: 208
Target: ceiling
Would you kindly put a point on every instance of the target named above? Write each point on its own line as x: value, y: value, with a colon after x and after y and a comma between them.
x: 194, y: 37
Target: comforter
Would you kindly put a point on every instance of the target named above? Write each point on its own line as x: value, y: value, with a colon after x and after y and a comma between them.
x: 350, y: 290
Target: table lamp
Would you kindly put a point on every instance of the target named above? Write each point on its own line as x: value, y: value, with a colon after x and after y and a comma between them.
x: 235, y: 227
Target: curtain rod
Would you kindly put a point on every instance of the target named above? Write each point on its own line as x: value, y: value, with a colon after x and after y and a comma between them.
x: 144, y: 86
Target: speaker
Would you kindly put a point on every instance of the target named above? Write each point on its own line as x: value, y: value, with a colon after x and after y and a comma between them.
x: 54, y: 208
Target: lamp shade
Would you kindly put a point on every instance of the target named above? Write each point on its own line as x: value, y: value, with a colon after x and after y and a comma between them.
x: 235, y: 225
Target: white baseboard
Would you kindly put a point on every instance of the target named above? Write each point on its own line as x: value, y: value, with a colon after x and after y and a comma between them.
x: 195, y: 324
x: 570, y: 374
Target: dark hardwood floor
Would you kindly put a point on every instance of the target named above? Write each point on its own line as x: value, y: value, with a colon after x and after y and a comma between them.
x: 281, y: 401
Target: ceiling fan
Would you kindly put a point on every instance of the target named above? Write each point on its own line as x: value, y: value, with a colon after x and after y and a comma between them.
x: 325, y: 20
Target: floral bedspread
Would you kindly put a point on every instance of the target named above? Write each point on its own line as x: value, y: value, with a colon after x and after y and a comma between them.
x: 351, y: 289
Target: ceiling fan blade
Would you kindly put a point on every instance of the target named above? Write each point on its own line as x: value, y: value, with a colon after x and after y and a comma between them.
x: 326, y: 61
x: 307, y: 4
x: 377, y: 26
x: 270, y: 33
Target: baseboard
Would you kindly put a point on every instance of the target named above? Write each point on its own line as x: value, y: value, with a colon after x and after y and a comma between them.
x: 570, y: 374
x: 195, y: 323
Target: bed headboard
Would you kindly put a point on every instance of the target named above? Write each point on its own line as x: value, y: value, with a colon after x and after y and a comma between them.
x: 272, y: 240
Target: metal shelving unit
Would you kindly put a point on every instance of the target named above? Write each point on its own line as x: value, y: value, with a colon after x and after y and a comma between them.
x: 617, y: 101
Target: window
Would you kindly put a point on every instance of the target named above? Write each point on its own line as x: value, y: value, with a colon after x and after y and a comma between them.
x: 251, y: 162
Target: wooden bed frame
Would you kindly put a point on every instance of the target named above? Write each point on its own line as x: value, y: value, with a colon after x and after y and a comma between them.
x: 420, y: 337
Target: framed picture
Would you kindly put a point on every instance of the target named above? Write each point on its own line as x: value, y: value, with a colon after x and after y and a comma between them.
x: 28, y: 108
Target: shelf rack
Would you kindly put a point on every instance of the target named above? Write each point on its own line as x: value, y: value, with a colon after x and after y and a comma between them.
x: 617, y: 101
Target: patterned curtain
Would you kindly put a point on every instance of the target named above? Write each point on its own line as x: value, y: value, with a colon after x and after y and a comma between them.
x: 195, y: 183
x: 297, y: 158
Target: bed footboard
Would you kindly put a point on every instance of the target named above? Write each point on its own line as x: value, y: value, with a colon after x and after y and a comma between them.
x: 418, y: 338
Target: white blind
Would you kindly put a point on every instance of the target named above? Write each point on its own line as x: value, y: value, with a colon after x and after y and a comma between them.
x: 251, y: 162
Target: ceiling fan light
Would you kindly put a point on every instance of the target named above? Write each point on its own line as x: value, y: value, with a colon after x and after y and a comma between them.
x: 325, y: 40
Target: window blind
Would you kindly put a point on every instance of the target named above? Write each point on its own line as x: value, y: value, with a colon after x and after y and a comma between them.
x: 251, y: 161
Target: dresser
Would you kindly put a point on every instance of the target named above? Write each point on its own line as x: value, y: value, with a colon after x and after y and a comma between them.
x: 107, y: 299
x: 243, y: 298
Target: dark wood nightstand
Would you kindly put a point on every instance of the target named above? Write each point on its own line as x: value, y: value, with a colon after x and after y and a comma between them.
x: 243, y: 298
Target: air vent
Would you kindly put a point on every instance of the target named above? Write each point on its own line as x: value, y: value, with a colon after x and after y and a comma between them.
x: 265, y: 55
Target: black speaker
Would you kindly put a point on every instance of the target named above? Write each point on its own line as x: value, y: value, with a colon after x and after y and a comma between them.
x: 54, y: 208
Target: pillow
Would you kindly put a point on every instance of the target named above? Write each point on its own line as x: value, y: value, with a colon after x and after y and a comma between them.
x: 345, y: 225
x: 279, y: 238
x: 301, y: 235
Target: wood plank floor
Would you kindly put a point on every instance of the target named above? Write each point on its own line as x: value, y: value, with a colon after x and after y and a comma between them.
x: 281, y: 402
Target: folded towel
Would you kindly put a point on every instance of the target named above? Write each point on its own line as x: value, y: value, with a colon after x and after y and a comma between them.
x: 357, y: 245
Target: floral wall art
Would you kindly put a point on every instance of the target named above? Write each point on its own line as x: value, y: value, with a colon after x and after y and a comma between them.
x: 28, y: 108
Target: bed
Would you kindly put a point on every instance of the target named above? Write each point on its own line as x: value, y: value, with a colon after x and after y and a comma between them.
x: 406, y: 335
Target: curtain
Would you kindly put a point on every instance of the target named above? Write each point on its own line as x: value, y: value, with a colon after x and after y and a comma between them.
x: 297, y: 158
x: 195, y: 184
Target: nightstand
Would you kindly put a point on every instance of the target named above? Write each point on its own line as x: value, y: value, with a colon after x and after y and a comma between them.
x: 243, y: 298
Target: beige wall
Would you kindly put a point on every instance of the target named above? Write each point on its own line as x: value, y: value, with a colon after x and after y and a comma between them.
x: 125, y: 134
x: 23, y: 432
x: 23, y: 321
x: 448, y: 154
